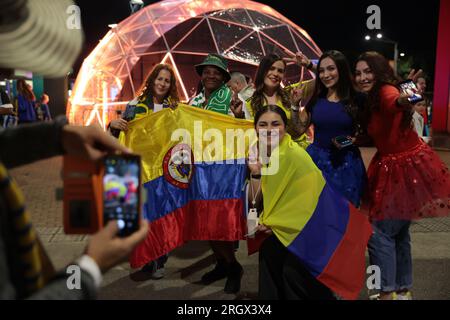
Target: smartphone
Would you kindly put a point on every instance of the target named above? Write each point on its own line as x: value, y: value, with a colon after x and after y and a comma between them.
x: 343, y: 141
x: 410, y: 88
x: 121, y: 192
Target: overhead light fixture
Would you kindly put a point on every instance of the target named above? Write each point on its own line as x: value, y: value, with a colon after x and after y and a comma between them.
x: 136, y: 5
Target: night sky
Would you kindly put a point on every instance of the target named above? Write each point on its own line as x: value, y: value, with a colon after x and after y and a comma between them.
x: 339, y: 25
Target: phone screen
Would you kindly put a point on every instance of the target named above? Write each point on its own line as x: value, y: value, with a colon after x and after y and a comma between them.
x: 343, y: 141
x: 410, y: 88
x: 121, y: 192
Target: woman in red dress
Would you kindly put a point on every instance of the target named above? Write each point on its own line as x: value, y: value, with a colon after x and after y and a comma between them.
x: 407, y: 180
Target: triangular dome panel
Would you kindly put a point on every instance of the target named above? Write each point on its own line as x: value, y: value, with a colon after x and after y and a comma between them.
x: 186, y: 67
x: 228, y: 34
x: 272, y: 47
x: 174, y: 35
x: 199, y: 40
x: 248, y: 50
x: 305, y: 46
x: 282, y: 36
x: 263, y: 21
x: 239, y: 16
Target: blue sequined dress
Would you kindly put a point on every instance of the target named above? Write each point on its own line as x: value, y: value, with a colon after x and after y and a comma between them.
x: 344, y: 169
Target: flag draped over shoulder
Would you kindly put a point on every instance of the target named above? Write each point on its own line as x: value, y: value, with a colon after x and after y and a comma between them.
x: 314, y: 222
x: 193, y: 173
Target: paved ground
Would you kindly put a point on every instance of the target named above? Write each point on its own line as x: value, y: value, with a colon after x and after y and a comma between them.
x: 430, y: 238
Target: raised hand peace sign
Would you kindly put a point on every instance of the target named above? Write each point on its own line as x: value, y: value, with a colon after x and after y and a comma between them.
x: 299, y: 59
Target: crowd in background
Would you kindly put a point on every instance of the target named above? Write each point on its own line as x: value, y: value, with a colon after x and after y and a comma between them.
x: 23, y: 107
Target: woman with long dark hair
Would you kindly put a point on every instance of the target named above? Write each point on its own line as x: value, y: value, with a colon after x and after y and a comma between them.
x: 333, y: 109
x: 26, y: 102
x: 159, y: 91
x: 268, y: 90
x: 407, y: 180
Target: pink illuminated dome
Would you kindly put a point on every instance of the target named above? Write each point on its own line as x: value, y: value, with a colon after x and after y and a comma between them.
x: 181, y: 33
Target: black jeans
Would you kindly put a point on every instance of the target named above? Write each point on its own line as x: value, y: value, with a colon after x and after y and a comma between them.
x: 282, y: 275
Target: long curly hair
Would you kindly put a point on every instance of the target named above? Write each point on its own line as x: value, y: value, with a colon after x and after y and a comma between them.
x: 258, y: 100
x: 25, y: 90
x: 148, y: 87
x: 344, y: 87
x: 383, y: 75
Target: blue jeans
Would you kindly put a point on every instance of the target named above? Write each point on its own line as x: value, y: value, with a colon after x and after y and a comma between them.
x: 390, y: 249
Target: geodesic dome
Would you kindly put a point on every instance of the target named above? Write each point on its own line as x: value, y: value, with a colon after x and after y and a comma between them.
x: 181, y: 33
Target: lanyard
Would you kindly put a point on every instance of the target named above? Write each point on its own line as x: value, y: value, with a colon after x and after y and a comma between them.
x: 253, y: 194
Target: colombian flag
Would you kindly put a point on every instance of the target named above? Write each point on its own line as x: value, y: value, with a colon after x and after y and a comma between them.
x: 315, y: 223
x: 193, y: 172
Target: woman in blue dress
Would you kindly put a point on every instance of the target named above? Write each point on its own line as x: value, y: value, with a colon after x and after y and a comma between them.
x: 333, y: 109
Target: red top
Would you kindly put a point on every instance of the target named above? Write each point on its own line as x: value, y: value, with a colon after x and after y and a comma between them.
x: 385, y: 124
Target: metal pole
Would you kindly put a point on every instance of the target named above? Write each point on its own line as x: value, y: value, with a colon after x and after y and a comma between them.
x: 395, y: 57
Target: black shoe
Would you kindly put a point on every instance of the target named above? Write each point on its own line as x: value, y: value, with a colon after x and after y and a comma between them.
x: 235, y: 272
x: 150, y: 267
x: 236, y: 246
x: 220, y: 271
x: 154, y: 269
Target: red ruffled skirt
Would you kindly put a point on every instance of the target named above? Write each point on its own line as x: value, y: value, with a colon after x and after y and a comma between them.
x: 408, y: 185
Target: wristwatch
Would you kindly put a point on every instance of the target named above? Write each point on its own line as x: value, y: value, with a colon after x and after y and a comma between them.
x: 255, y: 176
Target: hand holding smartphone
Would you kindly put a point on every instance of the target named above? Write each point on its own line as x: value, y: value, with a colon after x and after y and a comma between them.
x: 121, y: 192
x: 409, y: 87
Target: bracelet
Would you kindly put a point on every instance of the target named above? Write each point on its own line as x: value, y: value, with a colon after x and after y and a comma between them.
x: 295, y: 108
x: 255, y: 176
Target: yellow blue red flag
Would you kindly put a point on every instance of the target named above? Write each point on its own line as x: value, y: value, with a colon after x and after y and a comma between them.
x: 323, y: 229
x: 193, y: 172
